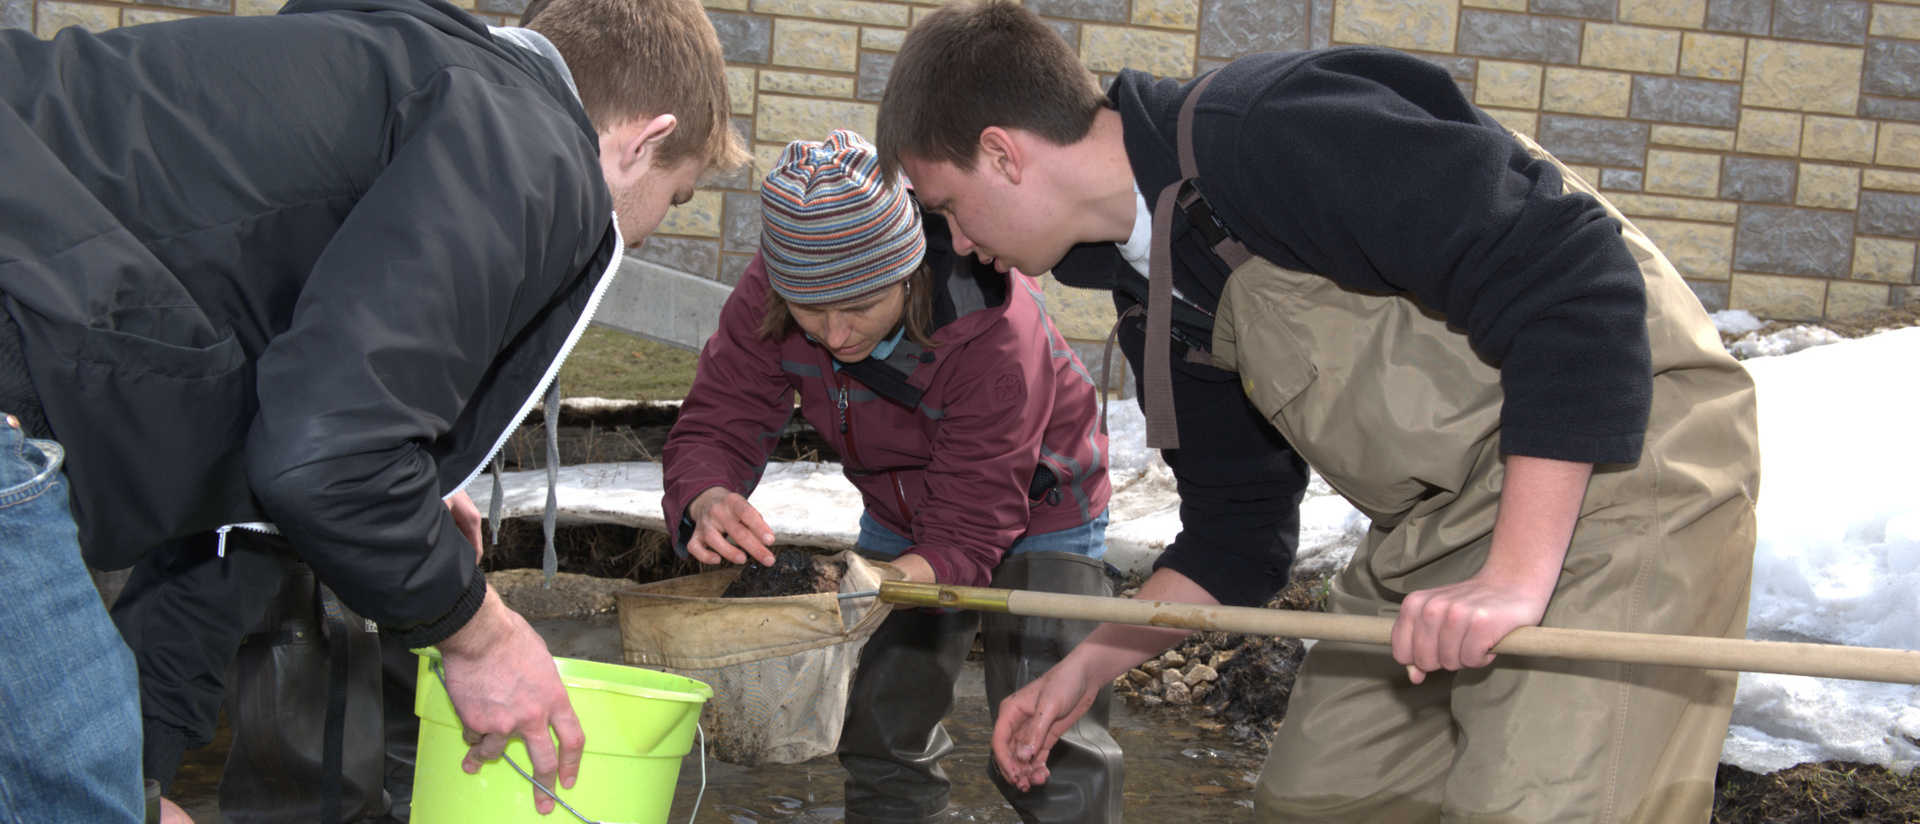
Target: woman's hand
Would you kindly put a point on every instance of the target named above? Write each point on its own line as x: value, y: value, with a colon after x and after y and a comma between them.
x: 726, y: 527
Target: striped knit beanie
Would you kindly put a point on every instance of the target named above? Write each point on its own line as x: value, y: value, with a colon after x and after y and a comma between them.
x: 833, y: 230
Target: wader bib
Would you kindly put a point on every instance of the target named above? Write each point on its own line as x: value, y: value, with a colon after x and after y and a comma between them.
x: 1401, y: 416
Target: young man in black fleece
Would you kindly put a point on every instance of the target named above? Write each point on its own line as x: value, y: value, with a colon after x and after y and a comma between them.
x: 303, y: 273
x: 1471, y: 346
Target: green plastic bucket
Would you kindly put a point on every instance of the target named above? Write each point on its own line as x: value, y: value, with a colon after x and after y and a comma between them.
x: 639, y: 725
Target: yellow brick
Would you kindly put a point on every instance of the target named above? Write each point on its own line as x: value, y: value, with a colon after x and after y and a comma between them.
x: 1526, y: 123
x: 256, y: 8
x: 919, y: 12
x: 726, y: 5
x: 1762, y: 132
x: 1844, y: 299
x: 1890, y: 181
x: 1421, y: 25
x: 809, y: 45
x: 54, y: 16
x: 1881, y: 259
x: 1828, y: 187
x: 1899, y: 145
x: 1698, y: 250
x: 699, y: 217
x: 1682, y: 173
x: 783, y: 119
x: 1112, y: 48
x: 1692, y: 138
x: 1502, y: 5
x: 1802, y: 76
x: 1590, y: 174
x: 1086, y: 314
x: 1713, y: 56
x: 1777, y: 297
x: 882, y: 39
x: 1652, y: 206
x: 740, y: 85
x: 1167, y: 14
x: 1584, y: 91
x: 819, y: 85
x: 765, y: 157
x: 135, y: 17
x: 845, y: 11
x: 1680, y: 14
x: 1896, y: 21
x: 1630, y: 48
x: 1837, y: 138
x: 1515, y: 85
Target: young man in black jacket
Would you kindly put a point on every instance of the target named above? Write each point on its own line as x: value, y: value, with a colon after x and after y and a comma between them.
x: 1464, y: 339
x: 303, y: 274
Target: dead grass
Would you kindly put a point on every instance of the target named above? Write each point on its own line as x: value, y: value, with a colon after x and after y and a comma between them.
x: 1834, y: 792
x: 609, y: 364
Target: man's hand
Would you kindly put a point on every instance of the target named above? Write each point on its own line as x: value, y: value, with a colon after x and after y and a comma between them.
x: 724, y: 525
x: 1035, y: 717
x: 1456, y: 626
x: 467, y: 518
x: 504, y: 685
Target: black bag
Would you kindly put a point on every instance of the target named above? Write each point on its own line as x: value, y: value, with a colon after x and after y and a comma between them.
x: 305, y: 705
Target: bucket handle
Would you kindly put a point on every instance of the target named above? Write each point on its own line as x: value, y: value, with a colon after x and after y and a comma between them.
x: 437, y: 673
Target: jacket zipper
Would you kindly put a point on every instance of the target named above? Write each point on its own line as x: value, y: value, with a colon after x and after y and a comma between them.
x: 539, y: 390
x: 853, y: 450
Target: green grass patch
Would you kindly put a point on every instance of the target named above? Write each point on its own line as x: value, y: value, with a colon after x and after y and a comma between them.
x: 609, y: 364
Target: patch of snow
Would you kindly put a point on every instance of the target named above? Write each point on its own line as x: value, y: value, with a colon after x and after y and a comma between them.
x: 1736, y: 322
x: 1783, y: 342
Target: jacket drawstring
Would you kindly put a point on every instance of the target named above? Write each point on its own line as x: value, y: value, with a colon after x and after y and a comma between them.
x: 550, y: 560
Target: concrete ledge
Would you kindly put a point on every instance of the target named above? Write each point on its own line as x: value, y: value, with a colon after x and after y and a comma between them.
x: 650, y: 301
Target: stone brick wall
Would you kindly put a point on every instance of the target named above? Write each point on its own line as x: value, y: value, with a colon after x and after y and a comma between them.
x: 1772, y: 147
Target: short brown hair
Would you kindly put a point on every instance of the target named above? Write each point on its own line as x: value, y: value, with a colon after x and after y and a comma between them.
x: 973, y: 64
x: 645, y: 58
x: 778, y: 320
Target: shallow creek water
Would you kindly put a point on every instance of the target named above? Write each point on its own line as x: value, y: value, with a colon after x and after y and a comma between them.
x: 1175, y: 771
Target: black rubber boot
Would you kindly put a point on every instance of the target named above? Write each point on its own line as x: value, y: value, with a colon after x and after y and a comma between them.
x: 893, y: 740
x: 1085, y: 766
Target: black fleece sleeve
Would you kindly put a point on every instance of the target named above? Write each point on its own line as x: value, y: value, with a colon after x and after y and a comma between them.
x: 1240, y: 483
x: 463, y: 239
x: 1369, y: 167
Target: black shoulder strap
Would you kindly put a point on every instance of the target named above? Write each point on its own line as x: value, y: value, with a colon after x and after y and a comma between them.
x: 888, y: 378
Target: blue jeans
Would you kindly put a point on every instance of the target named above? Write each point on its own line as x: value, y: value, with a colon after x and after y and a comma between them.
x: 1089, y: 539
x: 69, y: 696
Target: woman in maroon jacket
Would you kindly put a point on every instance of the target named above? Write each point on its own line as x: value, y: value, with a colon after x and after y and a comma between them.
x: 971, y: 431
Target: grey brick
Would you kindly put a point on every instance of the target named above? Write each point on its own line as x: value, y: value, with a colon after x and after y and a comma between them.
x: 1231, y: 28
x: 1321, y: 30
x: 1621, y: 180
x: 1827, y: 21
x: 1090, y: 356
x: 741, y: 229
x: 1106, y: 11
x: 1712, y: 294
x: 1459, y: 68
x: 1892, y: 67
x: 16, y: 14
x: 1594, y: 140
x: 693, y: 257
x: 874, y: 69
x: 1679, y: 100
x: 740, y: 178
x: 227, y: 5
x: 1793, y: 241
x: 1519, y: 37
x: 1590, y: 9
x: 1466, y: 88
x: 1740, y: 16
x: 732, y: 267
x: 513, y: 8
x: 1889, y: 214
x: 743, y: 38
x: 1757, y: 180
x: 1904, y: 297
x: 1069, y: 32
x: 1888, y: 108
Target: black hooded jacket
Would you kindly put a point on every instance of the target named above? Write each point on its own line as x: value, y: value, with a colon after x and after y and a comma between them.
x: 1368, y: 166
x: 307, y: 270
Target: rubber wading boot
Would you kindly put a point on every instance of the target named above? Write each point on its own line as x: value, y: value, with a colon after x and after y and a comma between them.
x: 1085, y: 765
x: 892, y: 742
